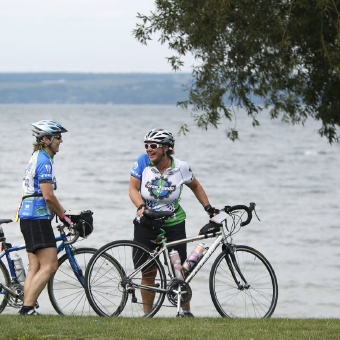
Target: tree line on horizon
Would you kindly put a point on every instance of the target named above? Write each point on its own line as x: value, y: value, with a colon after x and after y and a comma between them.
x: 92, y: 88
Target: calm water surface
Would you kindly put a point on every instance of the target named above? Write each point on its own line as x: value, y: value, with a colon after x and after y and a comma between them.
x: 289, y: 171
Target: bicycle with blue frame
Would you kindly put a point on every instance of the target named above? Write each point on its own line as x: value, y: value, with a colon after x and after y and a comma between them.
x: 66, y: 286
x: 242, y: 282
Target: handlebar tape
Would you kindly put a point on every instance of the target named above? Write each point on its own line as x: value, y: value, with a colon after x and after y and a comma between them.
x: 248, y: 210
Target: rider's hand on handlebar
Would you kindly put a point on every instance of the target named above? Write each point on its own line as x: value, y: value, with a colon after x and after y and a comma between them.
x: 211, y: 210
x: 66, y: 220
x: 140, y: 209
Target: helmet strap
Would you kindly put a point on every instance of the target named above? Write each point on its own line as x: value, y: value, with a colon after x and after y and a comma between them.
x: 50, y: 139
x: 48, y: 145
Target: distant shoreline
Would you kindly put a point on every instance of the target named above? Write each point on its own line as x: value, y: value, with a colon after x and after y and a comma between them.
x: 93, y: 88
x: 96, y: 88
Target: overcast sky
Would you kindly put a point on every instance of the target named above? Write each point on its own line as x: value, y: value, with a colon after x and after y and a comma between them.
x: 77, y: 36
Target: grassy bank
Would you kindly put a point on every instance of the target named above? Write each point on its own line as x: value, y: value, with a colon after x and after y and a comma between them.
x: 63, y: 327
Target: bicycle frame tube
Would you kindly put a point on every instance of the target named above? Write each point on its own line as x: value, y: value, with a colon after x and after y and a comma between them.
x: 191, y: 239
x: 6, y: 253
x: 74, y: 265
x: 165, y: 249
x: 219, y: 237
x: 205, y: 258
x: 68, y: 250
x: 61, y: 238
x: 61, y: 246
x: 154, y: 255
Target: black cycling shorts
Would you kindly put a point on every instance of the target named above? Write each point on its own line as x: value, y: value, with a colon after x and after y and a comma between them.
x: 176, y: 232
x: 38, y: 234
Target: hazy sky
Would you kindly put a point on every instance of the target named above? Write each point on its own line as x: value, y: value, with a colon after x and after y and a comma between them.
x: 77, y: 36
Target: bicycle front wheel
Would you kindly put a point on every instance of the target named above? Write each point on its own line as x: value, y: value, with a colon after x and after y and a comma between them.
x: 4, y: 279
x: 113, y: 281
x: 253, y: 296
x: 66, y: 291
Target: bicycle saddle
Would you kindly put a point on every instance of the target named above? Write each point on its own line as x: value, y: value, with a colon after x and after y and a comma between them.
x: 5, y: 220
x: 157, y: 214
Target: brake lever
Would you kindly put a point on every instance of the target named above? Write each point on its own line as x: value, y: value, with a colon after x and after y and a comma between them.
x: 256, y: 214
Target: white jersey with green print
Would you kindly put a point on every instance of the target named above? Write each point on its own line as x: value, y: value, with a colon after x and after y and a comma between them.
x: 163, y: 192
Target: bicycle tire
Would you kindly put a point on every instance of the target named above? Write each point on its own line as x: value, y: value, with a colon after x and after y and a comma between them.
x: 66, y: 292
x: 256, y: 301
x: 110, y: 289
x: 4, y: 279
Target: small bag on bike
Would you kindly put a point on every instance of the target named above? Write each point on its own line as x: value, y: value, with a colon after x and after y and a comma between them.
x: 210, y: 228
x: 83, y: 223
x: 149, y: 223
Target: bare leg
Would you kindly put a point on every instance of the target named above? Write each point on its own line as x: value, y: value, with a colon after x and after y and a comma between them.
x: 42, y: 265
x: 186, y: 307
x: 148, y: 279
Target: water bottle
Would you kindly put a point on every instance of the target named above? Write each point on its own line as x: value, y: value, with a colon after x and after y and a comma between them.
x: 176, y: 262
x: 194, y: 257
x: 19, y: 268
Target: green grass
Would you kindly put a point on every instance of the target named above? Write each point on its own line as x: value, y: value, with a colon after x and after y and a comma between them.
x: 66, y: 327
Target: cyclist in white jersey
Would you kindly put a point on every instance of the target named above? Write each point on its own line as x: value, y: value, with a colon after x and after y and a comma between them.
x: 156, y: 183
x: 38, y: 206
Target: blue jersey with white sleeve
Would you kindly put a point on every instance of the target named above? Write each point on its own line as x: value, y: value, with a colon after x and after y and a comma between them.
x: 39, y: 170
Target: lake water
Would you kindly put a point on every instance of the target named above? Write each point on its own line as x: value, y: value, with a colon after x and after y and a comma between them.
x: 289, y: 171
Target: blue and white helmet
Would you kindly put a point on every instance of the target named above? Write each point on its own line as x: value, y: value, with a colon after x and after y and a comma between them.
x: 46, y: 128
x: 160, y: 136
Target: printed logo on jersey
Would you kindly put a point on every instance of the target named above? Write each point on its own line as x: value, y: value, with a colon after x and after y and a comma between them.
x: 48, y: 167
x: 160, y: 188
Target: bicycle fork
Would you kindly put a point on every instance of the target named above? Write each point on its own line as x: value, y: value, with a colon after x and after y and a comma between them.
x: 233, y: 265
x: 75, y: 266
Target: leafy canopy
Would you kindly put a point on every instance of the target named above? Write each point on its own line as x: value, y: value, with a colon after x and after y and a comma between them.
x: 284, y: 52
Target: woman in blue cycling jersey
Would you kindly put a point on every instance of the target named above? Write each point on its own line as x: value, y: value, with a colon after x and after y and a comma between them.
x: 156, y: 183
x: 38, y: 207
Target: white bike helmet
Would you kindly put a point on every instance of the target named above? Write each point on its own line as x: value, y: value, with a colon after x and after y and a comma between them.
x: 46, y: 128
x: 160, y: 136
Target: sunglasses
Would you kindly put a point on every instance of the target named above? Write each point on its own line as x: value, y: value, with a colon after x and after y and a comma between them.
x: 153, y: 146
x: 59, y: 137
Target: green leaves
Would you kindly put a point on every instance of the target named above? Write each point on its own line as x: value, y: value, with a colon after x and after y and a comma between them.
x: 285, y: 53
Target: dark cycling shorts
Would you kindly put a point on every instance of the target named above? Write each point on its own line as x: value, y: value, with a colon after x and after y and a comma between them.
x: 38, y: 234
x: 144, y: 235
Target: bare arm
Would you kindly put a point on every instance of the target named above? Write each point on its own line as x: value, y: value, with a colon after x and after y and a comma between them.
x: 51, y: 200
x: 199, y: 192
x: 135, y: 195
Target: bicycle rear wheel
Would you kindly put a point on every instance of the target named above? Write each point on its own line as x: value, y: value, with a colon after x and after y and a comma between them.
x: 114, y: 290
x: 232, y: 297
x: 66, y: 292
x: 4, y: 279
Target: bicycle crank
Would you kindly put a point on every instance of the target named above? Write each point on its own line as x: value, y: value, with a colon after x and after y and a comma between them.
x: 178, y: 287
x: 15, y: 294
